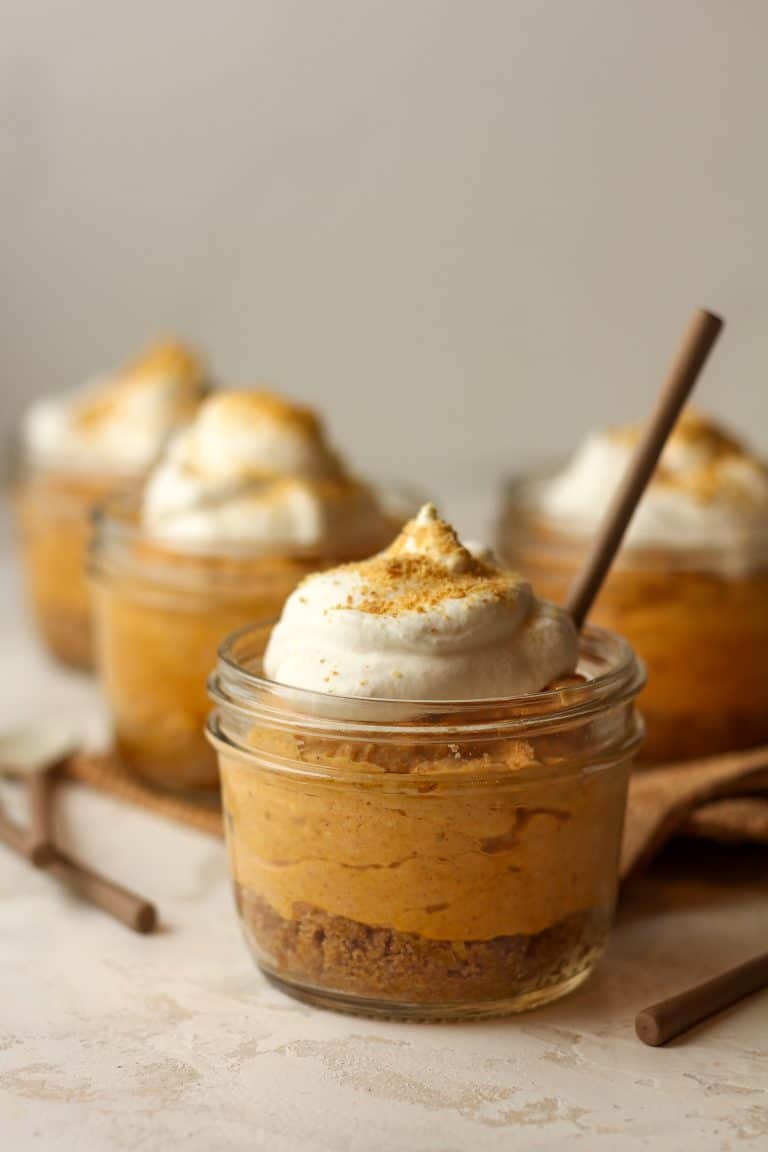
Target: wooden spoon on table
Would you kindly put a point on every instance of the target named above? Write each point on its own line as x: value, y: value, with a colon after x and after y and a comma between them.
x: 33, y: 756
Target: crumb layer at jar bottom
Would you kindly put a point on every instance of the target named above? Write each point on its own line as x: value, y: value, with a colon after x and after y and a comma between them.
x: 382, y: 970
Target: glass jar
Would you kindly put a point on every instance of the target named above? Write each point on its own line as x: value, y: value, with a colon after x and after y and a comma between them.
x: 697, y: 617
x: 160, y: 612
x: 425, y: 860
x: 54, y: 512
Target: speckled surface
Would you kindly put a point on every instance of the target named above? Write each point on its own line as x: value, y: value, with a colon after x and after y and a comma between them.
x: 115, y: 1041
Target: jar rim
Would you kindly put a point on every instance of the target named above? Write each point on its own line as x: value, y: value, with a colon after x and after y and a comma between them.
x: 235, y: 685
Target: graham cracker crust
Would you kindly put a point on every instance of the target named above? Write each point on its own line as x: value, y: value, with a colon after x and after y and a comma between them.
x: 336, y: 954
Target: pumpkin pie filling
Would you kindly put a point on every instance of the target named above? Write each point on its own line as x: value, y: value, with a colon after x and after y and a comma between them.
x: 429, y: 891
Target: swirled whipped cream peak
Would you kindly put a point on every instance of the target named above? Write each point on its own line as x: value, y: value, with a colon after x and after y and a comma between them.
x: 424, y: 620
x: 257, y: 434
x: 256, y: 469
x: 709, y: 489
x: 121, y: 422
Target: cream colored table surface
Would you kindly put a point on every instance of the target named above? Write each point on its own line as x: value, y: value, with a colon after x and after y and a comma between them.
x: 114, y: 1041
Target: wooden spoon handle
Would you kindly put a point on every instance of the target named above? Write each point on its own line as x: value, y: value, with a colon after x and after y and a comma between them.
x: 39, y: 797
x: 700, y: 336
x: 38, y: 852
x: 132, y: 910
x: 667, y: 1019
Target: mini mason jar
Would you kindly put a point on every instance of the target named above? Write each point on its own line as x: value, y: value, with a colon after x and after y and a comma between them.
x: 425, y: 860
x: 160, y: 612
x: 54, y: 513
x: 698, y: 618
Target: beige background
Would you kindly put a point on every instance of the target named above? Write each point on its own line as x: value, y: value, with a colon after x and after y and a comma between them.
x: 468, y: 228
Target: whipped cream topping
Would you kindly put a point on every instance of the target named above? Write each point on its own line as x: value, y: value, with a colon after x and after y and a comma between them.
x: 709, y: 490
x: 424, y: 620
x: 256, y: 469
x: 118, y: 423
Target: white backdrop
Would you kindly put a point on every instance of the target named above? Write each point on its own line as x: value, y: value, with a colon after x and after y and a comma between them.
x: 468, y: 228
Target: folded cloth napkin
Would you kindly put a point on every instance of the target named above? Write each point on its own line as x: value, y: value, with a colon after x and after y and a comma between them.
x: 713, y: 797
x: 731, y: 821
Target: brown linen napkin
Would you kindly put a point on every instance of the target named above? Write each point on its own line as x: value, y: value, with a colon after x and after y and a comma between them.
x: 730, y: 821
x: 710, y: 798
x: 673, y: 798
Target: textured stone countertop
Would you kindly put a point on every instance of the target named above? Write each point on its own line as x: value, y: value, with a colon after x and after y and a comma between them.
x: 112, y: 1041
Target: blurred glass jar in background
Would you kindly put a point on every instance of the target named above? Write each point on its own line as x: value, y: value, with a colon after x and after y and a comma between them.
x: 246, y: 502
x: 689, y: 589
x: 73, y: 451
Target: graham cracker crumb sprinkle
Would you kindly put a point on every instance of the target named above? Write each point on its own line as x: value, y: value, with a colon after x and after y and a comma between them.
x: 425, y: 566
x: 264, y: 406
x: 715, y: 451
x: 168, y: 359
